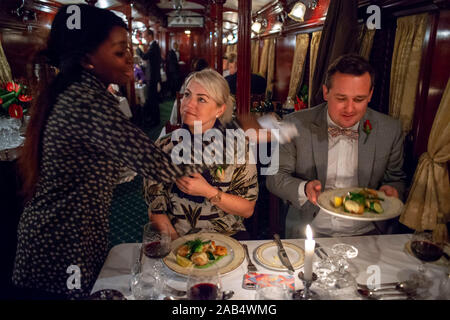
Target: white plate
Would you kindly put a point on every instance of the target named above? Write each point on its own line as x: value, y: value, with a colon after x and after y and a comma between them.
x: 392, y: 206
x: 231, y: 261
x: 267, y: 255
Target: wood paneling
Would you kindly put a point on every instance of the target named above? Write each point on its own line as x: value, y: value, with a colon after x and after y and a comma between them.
x: 433, y: 78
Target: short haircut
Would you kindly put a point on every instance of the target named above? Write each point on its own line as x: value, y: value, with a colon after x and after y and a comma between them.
x: 150, y: 32
x: 350, y: 64
x: 232, y: 57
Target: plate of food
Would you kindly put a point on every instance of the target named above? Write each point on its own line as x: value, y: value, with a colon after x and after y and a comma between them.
x: 362, y: 204
x: 202, y: 251
x: 267, y: 255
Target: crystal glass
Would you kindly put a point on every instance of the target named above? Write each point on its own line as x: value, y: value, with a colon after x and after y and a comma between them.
x: 426, y: 249
x: 273, y: 292
x: 146, y: 284
x: 332, y: 271
x: 204, y: 286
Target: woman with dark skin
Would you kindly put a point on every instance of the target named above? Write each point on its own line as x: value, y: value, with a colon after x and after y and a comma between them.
x: 76, y: 144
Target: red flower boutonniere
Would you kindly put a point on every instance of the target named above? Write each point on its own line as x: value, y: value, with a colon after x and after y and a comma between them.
x: 367, y: 129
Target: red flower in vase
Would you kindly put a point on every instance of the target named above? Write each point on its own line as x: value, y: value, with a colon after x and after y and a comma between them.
x: 11, y: 86
x: 15, y: 111
x: 25, y: 98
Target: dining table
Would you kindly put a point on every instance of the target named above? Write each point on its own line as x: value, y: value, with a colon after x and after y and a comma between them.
x: 381, y: 257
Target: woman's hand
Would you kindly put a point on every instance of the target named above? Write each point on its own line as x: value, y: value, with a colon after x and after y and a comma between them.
x: 196, y: 185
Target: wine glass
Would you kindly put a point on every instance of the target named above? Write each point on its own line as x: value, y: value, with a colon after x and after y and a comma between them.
x: 156, y: 240
x: 426, y: 249
x: 204, y: 286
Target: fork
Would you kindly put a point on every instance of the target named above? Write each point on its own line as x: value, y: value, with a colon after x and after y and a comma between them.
x: 250, y: 266
x: 320, y: 248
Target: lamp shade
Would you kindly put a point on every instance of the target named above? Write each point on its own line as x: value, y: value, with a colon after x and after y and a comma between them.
x: 298, y: 12
x: 256, y: 26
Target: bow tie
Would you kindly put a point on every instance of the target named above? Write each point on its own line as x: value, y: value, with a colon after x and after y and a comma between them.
x: 335, y: 131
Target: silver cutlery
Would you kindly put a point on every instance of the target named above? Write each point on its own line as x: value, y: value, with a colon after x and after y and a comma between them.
x: 320, y: 248
x: 385, y: 296
x: 404, y: 286
x: 250, y: 266
x: 282, y: 254
x: 173, y: 291
x: 226, y: 295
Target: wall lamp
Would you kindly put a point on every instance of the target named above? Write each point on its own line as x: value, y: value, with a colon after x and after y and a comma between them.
x: 299, y: 9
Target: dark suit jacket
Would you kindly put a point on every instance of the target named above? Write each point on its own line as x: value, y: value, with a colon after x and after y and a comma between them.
x: 380, y: 158
x: 258, y: 83
x: 153, y: 56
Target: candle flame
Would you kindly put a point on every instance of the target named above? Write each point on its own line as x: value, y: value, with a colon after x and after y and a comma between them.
x: 308, y: 232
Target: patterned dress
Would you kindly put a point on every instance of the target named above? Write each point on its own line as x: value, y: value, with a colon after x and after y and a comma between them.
x: 65, y: 226
x: 187, y: 212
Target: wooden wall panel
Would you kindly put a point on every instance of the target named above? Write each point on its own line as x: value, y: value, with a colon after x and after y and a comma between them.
x: 434, y: 75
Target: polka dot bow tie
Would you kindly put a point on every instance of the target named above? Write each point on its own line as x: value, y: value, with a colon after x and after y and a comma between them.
x: 335, y: 131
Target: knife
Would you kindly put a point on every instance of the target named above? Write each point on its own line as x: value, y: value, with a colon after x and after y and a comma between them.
x: 282, y: 253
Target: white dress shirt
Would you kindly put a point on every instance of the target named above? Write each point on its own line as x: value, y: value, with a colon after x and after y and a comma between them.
x: 342, y: 172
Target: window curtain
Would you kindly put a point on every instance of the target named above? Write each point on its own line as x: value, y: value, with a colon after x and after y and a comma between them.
x: 428, y: 204
x: 271, y: 64
x: 255, y: 56
x: 405, y: 67
x: 298, y: 64
x: 366, y: 41
x: 5, y: 70
x: 263, y: 61
x: 313, y: 49
x: 339, y: 36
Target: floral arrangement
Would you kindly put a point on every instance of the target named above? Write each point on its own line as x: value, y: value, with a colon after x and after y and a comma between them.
x: 14, y: 100
x: 302, y: 102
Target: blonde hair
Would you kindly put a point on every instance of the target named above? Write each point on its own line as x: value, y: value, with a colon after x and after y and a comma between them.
x: 217, y: 88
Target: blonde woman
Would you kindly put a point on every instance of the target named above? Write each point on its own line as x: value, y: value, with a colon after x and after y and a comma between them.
x: 220, y: 198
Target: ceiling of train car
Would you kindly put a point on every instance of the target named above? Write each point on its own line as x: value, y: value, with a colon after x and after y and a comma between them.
x: 179, y: 13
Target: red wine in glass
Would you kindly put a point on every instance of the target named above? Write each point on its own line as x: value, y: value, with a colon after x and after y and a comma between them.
x: 156, y: 250
x: 203, y: 291
x: 426, y: 251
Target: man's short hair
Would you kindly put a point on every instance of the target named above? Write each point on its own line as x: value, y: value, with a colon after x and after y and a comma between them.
x: 232, y: 57
x: 150, y: 32
x: 350, y: 64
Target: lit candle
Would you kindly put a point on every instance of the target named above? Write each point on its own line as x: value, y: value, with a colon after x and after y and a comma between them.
x: 309, y: 253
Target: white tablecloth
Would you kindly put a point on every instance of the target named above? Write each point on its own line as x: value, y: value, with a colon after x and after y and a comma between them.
x: 384, y: 251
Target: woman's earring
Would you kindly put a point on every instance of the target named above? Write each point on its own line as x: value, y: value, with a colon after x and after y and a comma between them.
x: 217, y: 115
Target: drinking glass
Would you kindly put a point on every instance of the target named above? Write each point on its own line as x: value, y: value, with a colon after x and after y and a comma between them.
x: 332, y: 271
x: 156, y: 240
x: 201, y: 286
x: 273, y: 291
x: 426, y: 249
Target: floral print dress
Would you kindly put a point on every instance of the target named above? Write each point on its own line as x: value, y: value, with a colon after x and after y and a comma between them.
x: 187, y: 212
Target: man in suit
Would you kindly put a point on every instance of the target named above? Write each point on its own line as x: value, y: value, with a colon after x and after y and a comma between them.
x: 173, y: 70
x: 153, y: 76
x: 257, y: 83
x: 334, y: 151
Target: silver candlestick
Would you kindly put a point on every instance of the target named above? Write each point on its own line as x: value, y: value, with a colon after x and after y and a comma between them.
x: 306, y: 293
